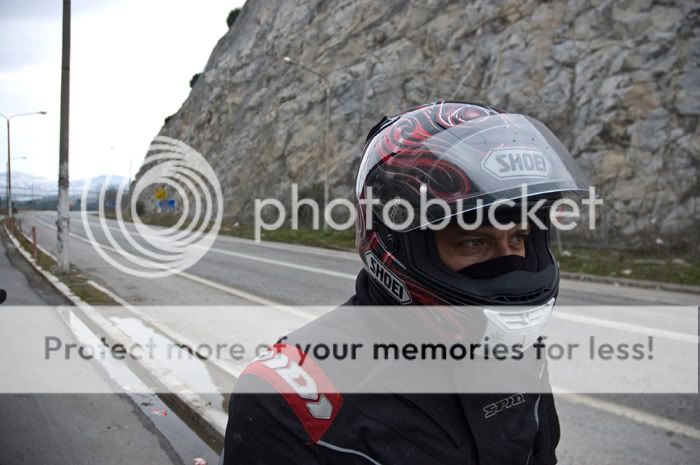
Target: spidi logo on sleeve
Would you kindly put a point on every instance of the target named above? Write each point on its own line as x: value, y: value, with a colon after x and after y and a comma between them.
x: 516, y: 162
x: 391, y: 283
x: 503, y: 404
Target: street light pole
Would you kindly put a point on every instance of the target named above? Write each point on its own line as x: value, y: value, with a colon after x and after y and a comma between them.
x: 62, y: 209
x: 326, y: 134
x: 9, y: 156
x: 9, y: 170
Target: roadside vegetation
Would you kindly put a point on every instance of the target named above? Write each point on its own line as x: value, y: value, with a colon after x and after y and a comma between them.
x: 630, y: 264
x: 75, y: 280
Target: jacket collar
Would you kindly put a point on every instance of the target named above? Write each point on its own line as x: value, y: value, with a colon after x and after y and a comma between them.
x: 444, y: 410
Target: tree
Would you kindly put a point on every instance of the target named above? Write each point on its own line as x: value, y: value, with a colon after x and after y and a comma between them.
x: 194, y: 79
x: 232, y: 17
x: 110, y: 199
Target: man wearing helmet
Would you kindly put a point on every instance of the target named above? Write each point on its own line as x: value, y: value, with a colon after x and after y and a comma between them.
x: 442, y: 192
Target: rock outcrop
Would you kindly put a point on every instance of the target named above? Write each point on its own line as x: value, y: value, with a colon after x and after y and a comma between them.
x: 618, y: 81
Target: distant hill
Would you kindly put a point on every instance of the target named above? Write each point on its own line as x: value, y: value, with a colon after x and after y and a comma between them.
x: 25, y: 185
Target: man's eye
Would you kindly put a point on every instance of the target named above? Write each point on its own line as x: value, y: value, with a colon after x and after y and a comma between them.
x: 471, y: 243
x: 519, y: 239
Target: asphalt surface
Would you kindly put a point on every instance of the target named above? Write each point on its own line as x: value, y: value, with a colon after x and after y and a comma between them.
x: 626, y: 429
x: 69, y: 429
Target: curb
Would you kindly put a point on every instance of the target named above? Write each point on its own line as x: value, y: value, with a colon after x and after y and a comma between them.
x: 212, y: 420
x: 638, y: 283
x: 51, y: 278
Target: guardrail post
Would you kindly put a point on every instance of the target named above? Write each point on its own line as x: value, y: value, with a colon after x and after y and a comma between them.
x: 34, y: 242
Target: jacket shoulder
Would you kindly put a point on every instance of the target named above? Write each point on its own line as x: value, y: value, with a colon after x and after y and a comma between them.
x: 288, y: 372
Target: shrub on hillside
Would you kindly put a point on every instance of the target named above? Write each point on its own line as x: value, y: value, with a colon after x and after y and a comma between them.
x: 231, y: 18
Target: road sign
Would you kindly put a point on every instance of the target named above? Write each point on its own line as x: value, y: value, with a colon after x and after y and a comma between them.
x: 166, y: 204
x: 160, y: 193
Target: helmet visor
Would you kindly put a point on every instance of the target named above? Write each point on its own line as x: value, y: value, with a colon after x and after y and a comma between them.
x: 476, y: 164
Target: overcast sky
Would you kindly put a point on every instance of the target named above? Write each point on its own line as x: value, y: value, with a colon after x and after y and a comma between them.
x: 131, y: 63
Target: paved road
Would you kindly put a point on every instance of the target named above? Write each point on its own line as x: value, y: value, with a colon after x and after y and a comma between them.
x: 68, y: 429
x: 279, y: 272
x: 624, y: 428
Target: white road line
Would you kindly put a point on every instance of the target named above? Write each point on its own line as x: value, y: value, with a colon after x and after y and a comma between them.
x: 645, y: 330
x: 211, y: 415
x: 633, y: 414
x: 593, y: 287
x: 659, y: 296
x: 271, y: 245
x: 171, y: 333
x: 207, y: 282
x: 310, y: 269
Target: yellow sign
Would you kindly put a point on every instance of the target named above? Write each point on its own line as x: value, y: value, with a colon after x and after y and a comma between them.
x: 160, y: 193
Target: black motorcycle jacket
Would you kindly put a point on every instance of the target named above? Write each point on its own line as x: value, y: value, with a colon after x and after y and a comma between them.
x: 271, y: 425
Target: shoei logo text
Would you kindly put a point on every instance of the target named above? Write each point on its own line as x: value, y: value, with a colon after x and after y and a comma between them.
x: 394, y: 285
x: 517, y: 163
x: 503, y: 404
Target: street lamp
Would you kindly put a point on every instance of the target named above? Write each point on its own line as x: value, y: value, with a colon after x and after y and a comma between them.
x: 9, y: 156
x: 326, y: 145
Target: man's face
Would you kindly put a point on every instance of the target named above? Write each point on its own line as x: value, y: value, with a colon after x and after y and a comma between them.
x: 459, y: 248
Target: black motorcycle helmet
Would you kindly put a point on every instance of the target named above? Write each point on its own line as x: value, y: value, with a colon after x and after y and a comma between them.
x: 469, y: 157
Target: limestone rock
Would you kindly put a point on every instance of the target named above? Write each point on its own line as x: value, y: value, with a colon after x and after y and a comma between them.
x: 617, y: 81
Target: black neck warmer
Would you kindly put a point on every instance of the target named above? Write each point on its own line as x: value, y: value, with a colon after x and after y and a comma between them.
x: 494, y: 267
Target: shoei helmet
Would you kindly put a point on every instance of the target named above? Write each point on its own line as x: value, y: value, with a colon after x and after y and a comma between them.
x: 468, y: 156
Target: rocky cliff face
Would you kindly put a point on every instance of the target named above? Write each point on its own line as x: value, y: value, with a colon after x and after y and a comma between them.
x: 618, y: 81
